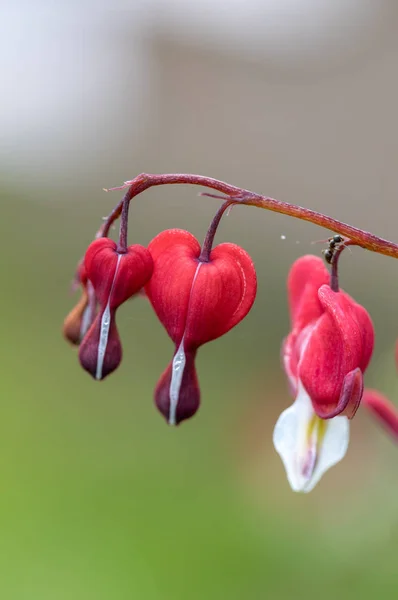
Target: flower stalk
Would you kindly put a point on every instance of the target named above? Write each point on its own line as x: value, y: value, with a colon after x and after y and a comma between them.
x: 238, y: 195
x: 211, y: 233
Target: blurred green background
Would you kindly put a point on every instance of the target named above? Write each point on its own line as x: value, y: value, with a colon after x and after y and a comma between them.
x: 99, y: 498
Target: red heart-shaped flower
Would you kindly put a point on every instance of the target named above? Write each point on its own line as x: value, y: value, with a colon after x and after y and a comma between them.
x: 196, y: 302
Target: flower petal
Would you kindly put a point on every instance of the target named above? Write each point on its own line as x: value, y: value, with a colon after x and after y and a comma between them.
x: 177, y: 393
x: 353, y: 321
x: 307, y: 445
x: 350, y: 397
x: 199, y: 301
x: 100, y: 352
x: 73, y: 324
x: 175, y: 254
x: 117, y: 276
x: 340, y: 342
x: 306, y: 276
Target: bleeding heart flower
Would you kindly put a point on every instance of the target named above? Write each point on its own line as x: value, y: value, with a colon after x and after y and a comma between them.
x: 197, y: 301
x: 324, y: 356
x: 115, y: 277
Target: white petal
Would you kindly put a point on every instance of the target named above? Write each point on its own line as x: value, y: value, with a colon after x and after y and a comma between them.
x: 177, y: 373
x: 308, y: 445
x: 178, y: 366
x: 105, y: 326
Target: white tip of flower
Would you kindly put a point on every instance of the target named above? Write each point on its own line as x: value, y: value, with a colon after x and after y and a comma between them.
x: 177, y: 373
x: 308, y: 445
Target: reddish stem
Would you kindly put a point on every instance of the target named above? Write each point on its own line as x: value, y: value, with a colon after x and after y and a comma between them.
x: 357, y: 236
x: 122, y: 245
x: 209, y: 239
x: 334, y: 275
x: 384, y: 410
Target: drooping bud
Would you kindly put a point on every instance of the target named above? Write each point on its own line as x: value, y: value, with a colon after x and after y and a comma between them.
x: 177, y: 393
x: 73, y: 322
x: 196, y: 302
x: 115, y: 277
x: 101, y: 351
x: 78, y: 321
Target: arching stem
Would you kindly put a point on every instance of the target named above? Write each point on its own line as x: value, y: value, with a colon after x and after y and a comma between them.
x: 239, y: 195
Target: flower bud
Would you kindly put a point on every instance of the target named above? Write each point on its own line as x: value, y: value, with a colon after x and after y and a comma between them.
x: 115, y: 277
x: 78, y: 321
x: 177, y: 394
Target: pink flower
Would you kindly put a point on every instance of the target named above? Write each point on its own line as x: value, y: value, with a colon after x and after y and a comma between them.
x: 324, y: 356
x: 196, y: 301
x: 115, y: 277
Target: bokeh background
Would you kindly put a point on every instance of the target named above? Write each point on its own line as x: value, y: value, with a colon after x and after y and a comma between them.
x: 99, y: 498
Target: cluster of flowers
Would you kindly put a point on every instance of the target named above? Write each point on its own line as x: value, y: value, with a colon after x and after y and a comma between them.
x: 197, y: 299
x: 199, y: 294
